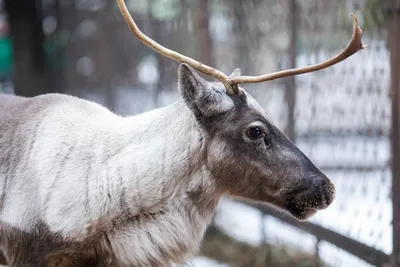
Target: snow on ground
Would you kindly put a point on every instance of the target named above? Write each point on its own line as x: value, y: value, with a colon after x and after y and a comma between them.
x: 205, y: 262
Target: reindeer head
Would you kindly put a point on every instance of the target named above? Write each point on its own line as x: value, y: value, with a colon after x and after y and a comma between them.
x: 247, y: 155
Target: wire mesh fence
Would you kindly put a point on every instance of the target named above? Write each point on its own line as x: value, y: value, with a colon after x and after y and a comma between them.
x: 339, y: 117
x: 341, y: 121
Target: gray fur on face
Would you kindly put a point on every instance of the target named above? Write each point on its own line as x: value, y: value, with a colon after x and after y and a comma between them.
x: 86, y: 185
x: 270, y: 169
x: 205, y: 99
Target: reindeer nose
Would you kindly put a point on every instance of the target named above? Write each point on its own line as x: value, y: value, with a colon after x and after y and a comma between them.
x: 326, y: 189
x: 330, y: 192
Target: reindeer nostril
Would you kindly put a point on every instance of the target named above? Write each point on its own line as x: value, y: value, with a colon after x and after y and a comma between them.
x: 329, y: 193
x: 325, y: 191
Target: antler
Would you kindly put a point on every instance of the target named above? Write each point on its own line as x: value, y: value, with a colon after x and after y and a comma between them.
x: 231, y: 84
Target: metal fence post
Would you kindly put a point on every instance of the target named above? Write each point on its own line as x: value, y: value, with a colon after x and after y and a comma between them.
x: 316, y: 262
x: 394, y: 43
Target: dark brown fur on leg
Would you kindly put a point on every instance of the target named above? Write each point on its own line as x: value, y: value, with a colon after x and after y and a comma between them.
x: 3, y: 260
x: 41, y: 248
x: 70, y: 259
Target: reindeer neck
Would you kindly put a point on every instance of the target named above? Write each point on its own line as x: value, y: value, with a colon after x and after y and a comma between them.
x: 156, y: 156
x: 167, y: 196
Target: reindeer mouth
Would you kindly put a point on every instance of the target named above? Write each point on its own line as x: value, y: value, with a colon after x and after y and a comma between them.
x: 299, y: 211
x: 303, y: 214
x: 304, y: 203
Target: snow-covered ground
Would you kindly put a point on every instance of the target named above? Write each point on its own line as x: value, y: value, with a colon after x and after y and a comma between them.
x: 205, y: 262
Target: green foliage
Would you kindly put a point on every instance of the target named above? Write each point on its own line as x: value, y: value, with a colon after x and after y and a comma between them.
x: 6, y: 57
x: 371, y: 16
x: 374, y: 14
x: 165, y: 9
x: 159, y: 9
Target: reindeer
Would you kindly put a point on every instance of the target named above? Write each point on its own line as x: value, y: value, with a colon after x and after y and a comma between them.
x: 82, y: 186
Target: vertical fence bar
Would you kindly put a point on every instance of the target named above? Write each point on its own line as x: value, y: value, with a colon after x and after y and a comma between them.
x: 290, y: 82
x: 316, y: 262
x: 394, y: 43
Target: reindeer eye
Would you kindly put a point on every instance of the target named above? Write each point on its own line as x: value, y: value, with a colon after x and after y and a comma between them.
x: 255, y: 132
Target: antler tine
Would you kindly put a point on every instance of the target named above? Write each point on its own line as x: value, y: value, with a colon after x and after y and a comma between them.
x: 352, y: 47
x: 172, y: 54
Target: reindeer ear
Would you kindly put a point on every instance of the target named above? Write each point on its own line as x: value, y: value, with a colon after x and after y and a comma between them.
x: 202, y: 97
x: 190, y: 83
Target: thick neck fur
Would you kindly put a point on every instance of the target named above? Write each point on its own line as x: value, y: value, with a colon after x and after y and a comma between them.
x: 139, y: 183
x: 166, y: 193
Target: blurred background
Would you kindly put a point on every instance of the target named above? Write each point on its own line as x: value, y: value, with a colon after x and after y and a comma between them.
x: 345, y: 118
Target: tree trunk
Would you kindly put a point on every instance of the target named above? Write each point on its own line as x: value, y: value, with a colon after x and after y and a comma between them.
x: 290, y: 82
x: 30, y: 71
x: 205, y: 42
x: 394, y: 46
